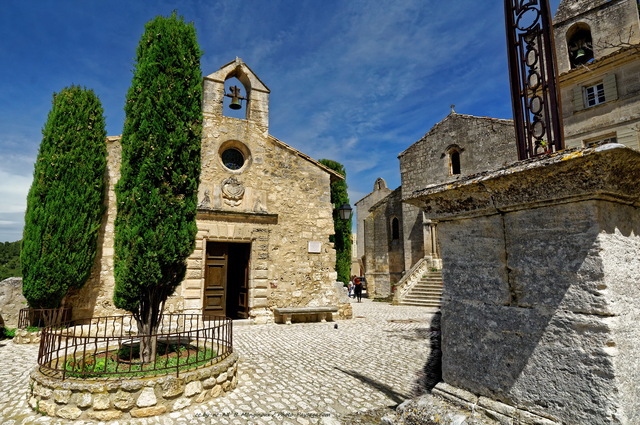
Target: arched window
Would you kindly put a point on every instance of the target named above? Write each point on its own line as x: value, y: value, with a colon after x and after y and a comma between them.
x: 395, y: 229
x: 579, y: 44
x: 454, y: 162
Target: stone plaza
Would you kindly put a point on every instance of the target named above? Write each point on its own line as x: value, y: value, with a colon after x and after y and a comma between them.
x: 304, y: 373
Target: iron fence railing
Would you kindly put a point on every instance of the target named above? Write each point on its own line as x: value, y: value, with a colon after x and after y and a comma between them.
x: 109, y: 347
x: 42, y: 317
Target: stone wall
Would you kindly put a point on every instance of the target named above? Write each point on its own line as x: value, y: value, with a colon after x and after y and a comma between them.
x: 615, y: 31
x: 380, y: 191
x: 613, y: 24
x: 125, y: 399
x: 384, y: 262
x: 617, y: 117
x: 540, y: 285
x: 23, y: 336
x: 11, y: 301
x: 484, y: 144
x: 413, y: 235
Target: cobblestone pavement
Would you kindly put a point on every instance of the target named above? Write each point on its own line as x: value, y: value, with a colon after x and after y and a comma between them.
x: 299, y: 374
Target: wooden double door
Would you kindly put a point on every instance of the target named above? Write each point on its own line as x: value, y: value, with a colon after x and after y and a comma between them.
x: 226, y: 282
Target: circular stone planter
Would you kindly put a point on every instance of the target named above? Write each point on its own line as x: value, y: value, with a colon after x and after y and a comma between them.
x: 24, y: 336
x: 126, y: 398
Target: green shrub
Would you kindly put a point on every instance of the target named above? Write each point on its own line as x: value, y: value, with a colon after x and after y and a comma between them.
x: 155, y: 226
x: 66, y: 199
x: 342, y: 228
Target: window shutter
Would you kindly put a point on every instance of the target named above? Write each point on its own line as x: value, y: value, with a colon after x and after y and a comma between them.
x: 610, y: 88
x: 578, y: 99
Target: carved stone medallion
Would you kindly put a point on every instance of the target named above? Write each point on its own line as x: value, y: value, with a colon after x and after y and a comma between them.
x: 232, y: 191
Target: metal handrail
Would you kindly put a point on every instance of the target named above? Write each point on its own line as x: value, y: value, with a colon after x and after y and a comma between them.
x: 42, y: 317
x: 108, y: 347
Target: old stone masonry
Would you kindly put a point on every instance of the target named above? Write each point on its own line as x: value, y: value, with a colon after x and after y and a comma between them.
x: 306, y: 373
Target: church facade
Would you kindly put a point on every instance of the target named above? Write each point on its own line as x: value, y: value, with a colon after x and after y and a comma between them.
x: 264, y: 218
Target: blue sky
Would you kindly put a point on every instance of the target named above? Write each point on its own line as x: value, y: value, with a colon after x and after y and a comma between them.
x: 357, y: 81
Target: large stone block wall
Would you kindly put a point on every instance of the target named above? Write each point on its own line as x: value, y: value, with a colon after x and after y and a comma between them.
x: 540, y: 285
x: 533, y: 312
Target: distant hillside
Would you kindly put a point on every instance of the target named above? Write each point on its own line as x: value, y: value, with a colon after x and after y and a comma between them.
x: 10, y: 259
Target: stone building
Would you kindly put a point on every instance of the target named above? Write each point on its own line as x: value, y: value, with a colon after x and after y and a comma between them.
x: 597, y: 51
x: 264, y: 219
x: 396, y: 235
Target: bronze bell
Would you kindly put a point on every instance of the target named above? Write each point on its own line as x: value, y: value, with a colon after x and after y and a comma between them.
x: 235, y: 103
x: 235, y: 98
x: 580, y: 53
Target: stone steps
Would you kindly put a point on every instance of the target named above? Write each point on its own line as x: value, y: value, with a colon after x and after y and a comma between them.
x: 427, y: 292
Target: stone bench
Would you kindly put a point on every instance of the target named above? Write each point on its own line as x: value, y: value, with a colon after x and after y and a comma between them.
x: 284, y: 315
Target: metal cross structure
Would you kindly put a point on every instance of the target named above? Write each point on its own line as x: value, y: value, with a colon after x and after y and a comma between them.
x: 532, y: 71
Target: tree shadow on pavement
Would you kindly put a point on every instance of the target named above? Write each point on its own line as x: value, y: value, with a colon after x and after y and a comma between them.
x: 411, y: 335
x: 431, y: 372
x: 385, y: 389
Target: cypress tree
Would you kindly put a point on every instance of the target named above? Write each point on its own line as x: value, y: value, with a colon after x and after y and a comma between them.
x: 157, y: 193
x: 342, y: 228
x: 65, y: 203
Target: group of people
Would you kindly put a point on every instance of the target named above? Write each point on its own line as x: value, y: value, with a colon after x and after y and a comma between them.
x: 355, y: 288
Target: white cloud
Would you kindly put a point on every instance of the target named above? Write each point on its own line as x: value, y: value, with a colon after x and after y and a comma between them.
x: 13, y: 192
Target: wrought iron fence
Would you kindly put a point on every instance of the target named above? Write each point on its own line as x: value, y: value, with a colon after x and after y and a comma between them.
x: 42, y: 317
x: 110, y: 347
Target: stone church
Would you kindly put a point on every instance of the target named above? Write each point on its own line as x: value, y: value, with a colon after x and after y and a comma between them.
x: 264, y: 218
x: 597, y: 51
x: 394, y: 235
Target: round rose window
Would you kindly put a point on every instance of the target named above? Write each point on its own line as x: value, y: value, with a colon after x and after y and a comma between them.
x: 233, y: 159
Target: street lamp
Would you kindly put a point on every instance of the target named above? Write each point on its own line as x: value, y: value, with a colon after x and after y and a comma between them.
x: 345, y: 212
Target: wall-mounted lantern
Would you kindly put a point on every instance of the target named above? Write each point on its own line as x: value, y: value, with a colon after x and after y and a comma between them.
x: 345, y: 212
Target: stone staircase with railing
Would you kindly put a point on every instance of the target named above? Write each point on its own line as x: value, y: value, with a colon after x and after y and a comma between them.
x: 426, y: 292
x: 421, y: 286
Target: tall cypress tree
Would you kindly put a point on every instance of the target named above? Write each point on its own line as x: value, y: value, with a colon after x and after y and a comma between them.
x: 342, y: 228
x: 156, y: 195
x: 66, y: 199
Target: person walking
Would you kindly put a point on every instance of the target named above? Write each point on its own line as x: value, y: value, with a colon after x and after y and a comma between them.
x: 358, y: 289
x: 350, y: 288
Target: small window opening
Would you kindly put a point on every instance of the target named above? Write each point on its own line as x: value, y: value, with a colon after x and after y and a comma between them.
x: 454, y: 162
x: 603, y: 140
x: 395, y: 229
